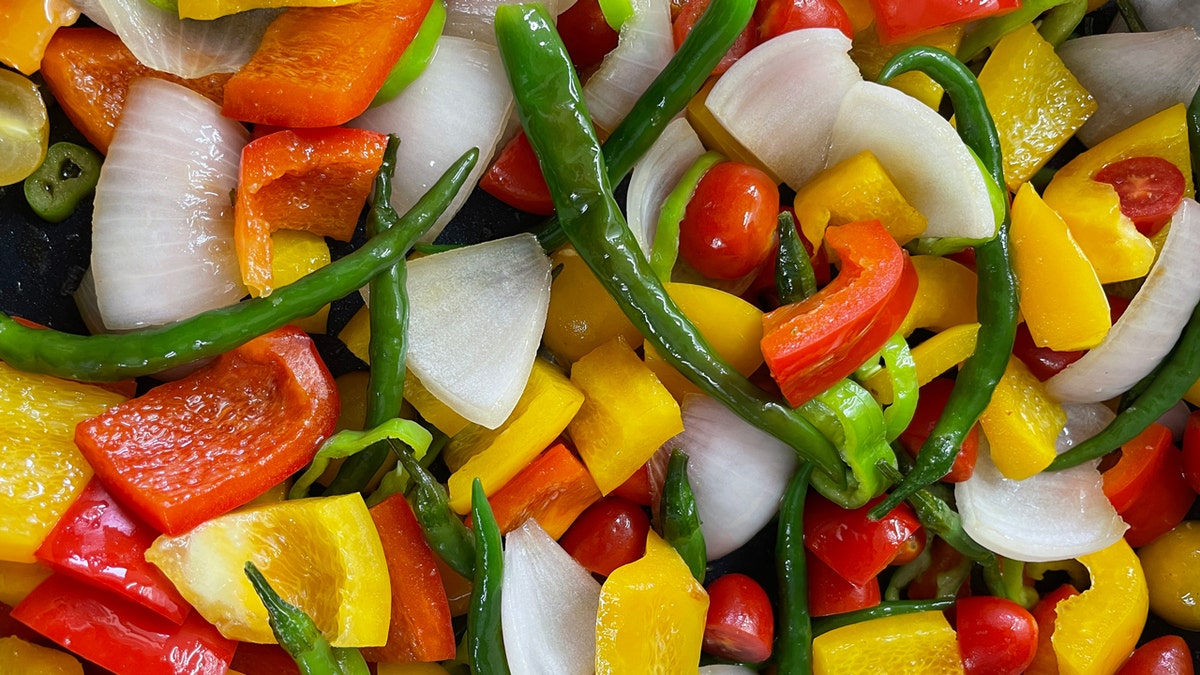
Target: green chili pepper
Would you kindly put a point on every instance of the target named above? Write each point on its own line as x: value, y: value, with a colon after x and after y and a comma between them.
x: 485, y: 643
x: 110, y: 357
x: 1005, y: 578
x: 1061, y: 15
x: 67, y: 175
x: 299, y: 636
x: 850, y: 417
x: 893, y: 608
x: 902, y: 371
x: 1129, y: 13
x: 795, y: 279
x: 347, y: 443
x: 665, y: 249
x: 416, y: 55
x: 713, y: 34
x: 1193, y: 124
x: 680, y: 521
x: 793, y: 649
x: 1060, y: 22
x: 938, y: 518
x: 997, y: 296
x: 443, y: 529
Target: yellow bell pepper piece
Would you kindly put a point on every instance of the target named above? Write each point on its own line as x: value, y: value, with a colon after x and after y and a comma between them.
x: 715, y: 137
x: 494, y: 456
x: 213, y: 9
x: 932, y: 357
x: 1193, y: 394
x: 1061, y: 298
x: 856, y: 189
x: 910, y: 643
x: 1037, y: 103
x: 26, y: 27
x: 18, y: 579
x: 946, y: 293
x: 731, y: 325
x: 871, y: 57
x: 626, y: 414
x: 1095, y: 631
x: 581, y: 315
x: 295, y: 253
x: 1022, y: 423
x: 651, y: 615
x: 19, y: 656
x: 1092, y: 210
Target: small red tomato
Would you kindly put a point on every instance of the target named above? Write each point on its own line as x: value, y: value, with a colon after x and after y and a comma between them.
x: 910, y: 549
x: 1150, y: 189
x: 1191, y: 451
x: 586, y: 34
x: 931, y: 401
x: 855, y: 546
x: 829, y: 593
x: 729, y: 224
x: 610, y: 533
x: 636, y: 488
x: 776, y: 17
x: 690, y: 13
x: 1167, y: 655
x: 740, y: 625
x: 996, y: 636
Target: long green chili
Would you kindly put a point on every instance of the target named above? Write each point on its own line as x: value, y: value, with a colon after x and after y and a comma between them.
x: 680, y: 520
x: 443, y: 529
x: 1193, y: 126
x: 891, y: 608
x: 116, y: 356
x: 793, y: 647
x: 1132, y: 19
x: 938, y: 518
x: 795, y: 279
x: 485, y: 643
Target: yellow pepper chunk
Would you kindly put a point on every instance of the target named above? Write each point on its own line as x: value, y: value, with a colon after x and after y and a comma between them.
x: 715, y: 137
x: 856, y: 189
x: 213, y: 9
x: 1037, y: 103
x: 1061, y: 298
x: 43, y: 470
x: 946, y: 293
x: 19, y: 656
x: 1095, y: 631
x: 494, y: 456
x: 26, y: 27
x: 18, y: 579
x: 1092, y: 210
x: 651, y: 615
x: 871, y: 57
x: 627, y: 413
x: 732, y: 326
x: 932, y: 357
x: 910, y: 643
x: 295, y: 253
x: 581, y: 315
x: 1022, y: 422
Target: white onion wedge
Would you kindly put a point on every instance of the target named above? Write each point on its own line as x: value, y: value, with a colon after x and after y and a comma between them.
x: 162, y: 229
x: 656, y: 175
x: 930, y: 165
x: 548, y: 605
x: 476, y: 320
x: 643, y: 50
x: 475, y: 19
x: 1162, y: 14
x: 781, y: 99
x: 1150, y: 326
x: 1054, y: 515
x: 461, y: 101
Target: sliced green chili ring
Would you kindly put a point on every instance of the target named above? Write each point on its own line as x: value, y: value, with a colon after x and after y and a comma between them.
x: 444, y: 530
x: 793, y: 648
x: 903, y: 372
x: 884, y: 609
x: 990, y: 31
x: 680, y: 520
x: 795, y: 279
x: 485, y: 642
x: 416, y: 55
x: 851, y: 419
x: 67, y: 175
x: 665, y: 249
x: 349, y: 442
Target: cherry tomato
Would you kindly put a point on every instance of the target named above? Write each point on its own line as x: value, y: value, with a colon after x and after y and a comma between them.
x: 1150, y: 189
x: 776, y: 17
x: 636, y: 488
x: 1043, y: 362
x: 729, y: 224
x: 586, y: 34
x: 1045, y: 612
x: 690, y: 13
x: 25, y: 133
x: 911, y: 548
x: 1167, y: 655
x: 829, y: 593
x: 1191, y: 451
x: 931, y: 401
x: 855, y: 546
x: 610, y: 533
x: 740, y: 625
x: 996, y: 636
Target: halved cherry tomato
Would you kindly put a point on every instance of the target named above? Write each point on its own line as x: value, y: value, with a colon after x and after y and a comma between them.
x: 931, y: 401
x: 776, y: 17
x: 1150, y: 189
x: 740, y: 625
x: 515, y: 178
x: 829, y: 593
x: 610, y: 533
x: 687, y: 18
x: 855, y: 546
x: 1166, y: 655
x: 729, y: 224
x: 586, y: 34
x: 996, y: 636
x: 1045, y: 662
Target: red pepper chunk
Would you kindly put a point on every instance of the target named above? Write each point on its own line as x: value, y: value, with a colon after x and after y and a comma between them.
x: 900, y: 20
x: 852, y: 544
x: 192, y: 449
x: 516, y: 179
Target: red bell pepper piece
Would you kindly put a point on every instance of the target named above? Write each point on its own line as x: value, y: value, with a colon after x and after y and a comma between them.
x: 321, y: 66
x: 1191, y: 451
x: 100, y: 543
x: 516, y: 179
x: 1140, y: 467
x: 192, y: 449
x: 120, y: 635
x: 931, y: 401
x: 900, y: 20
x: 829, y: 593
x: 852, y: 544
x: 1147, y: 486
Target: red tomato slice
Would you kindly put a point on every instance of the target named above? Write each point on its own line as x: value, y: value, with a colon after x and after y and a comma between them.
x: 610, y: 533
x: 728, y: 228
x: 1150, y: 189
x: 776, y: 17
x: 1167, y: 655
x: 931, y: 401
x: 829, y: 593
x: 586, y: 34
x: 996, y: 636
x: 740, y: 625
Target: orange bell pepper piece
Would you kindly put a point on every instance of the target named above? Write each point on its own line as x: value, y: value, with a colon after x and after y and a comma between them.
x: 553, y: 490
x: 26, y: 27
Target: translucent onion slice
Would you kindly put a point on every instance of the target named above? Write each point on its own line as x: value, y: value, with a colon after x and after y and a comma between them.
x: 932, y: 168
x: 461, y: 101
x: 1162, y: 14
x: 1150, y: 326
x: 162, y: 229
x: 548, y: 605
x: 1052, y: 516
x: 92, y: 10
x: 474, y: 19
x: 655, y: 176
x: 476, y: 320
x: 643, y: 50
x: 1132, y: 75
x: 782, y: 98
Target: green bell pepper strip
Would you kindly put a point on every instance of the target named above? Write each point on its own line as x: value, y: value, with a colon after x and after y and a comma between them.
x: 795, y: 279
x: 444, y: 530
x: 111, y: 357
x: 714, y: 33
x: 348, y: 443
x: 485, y: 643
x: 1062, y: 16
x: 680, y: 521
x: 892, y: 608
x: 67, y: 174
x: 416, y: 56
x: 555, y: 119
x: 849, y: 416
x: 793, y: 648
x: 299, y: 636
x: 997, y: 296
x: 902, y: 371
x: 1129, y: 13
x: 665, y: 249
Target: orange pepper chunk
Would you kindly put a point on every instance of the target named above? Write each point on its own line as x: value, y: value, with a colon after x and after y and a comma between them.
x: 26, y: 27
x: 553, y: 490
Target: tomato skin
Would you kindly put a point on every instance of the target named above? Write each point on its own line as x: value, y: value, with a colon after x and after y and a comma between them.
x: 912, y: 547
x: 1043, y: 362
x: 690, y: 13
x: 740, y: 625
x: 610, y: 533
x: 1191, y: 451
x: 1045, y: 612
x: 829, y: 593
x: 636, y: 488
x: 996, y: 636
x: 515, y: 178
x: 897, y: 20
x: 729, y: 224
x: 1150, y: 189
x: 851, y: 543
x: 776, y: 17
x: 1166, y: 655
x: 586, y: 34
x: 931, y: 401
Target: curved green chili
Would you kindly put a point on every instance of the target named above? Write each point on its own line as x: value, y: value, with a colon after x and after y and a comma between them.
x: 485, y: 642
x: 997, y: 296
x: 416, y: 56
x: 884, y: 609
x: 793, y: 647
x: 348, y: 443
x: 680, y: 521
x: 795, y: 279
x: 67, y: 174
x: 902, y: 371
x: 665, y: 249
x: 938, y: 518
x: 851, y: 418
x: 443, y: 529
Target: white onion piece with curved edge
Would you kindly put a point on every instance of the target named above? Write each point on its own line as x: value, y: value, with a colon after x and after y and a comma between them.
x: 461, y: 101
x: 656, y: 174
x: 475, y: 322
x: 1054, y: 515
x: 187, y: 47
x: 645, y: 46
x: 548, y: 605
x: 781, y: 99
x: 475, y: 19
x: 1150, y: 326
x: 1132, y: 75
x: 162, y: 229
x: 930, y: 165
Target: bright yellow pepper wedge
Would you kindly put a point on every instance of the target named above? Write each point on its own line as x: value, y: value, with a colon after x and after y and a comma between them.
x: 1061, y: 298
x: 914, y: 644
x: 1022, y: 423
x: 732, y: 326
x: 945, y: 295
x: 19, y: 656
x: 295, y: 253
x: 1037, y: 103
x: 871, y: 57
x: 715, y: 137
x: 213, y: 9
x: 26, y: 27
x: 626, y: 414
x: 932, y: 357
x: 1092, y: 210
x: 1095, y: 631
x: 582, y: 315
x: 856, y: 189
x: 18, y: 579
x: 651, y: 615
x: 494, y: 456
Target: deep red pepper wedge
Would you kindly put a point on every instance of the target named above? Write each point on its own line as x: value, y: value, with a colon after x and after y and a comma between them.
x: 829, y: 593
x: 852, y: 544
x: 900, y: 20
x: 1191, y: 451
x: 515, y: 178
x: 192, y: 449
x: 776, y: 17
x: 100, y: 543
x: 931, y: 401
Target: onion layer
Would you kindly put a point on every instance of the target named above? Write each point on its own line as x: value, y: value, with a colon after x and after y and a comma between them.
x: 645, y: 46
x: 655, y: 176
x: 474, y: 19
